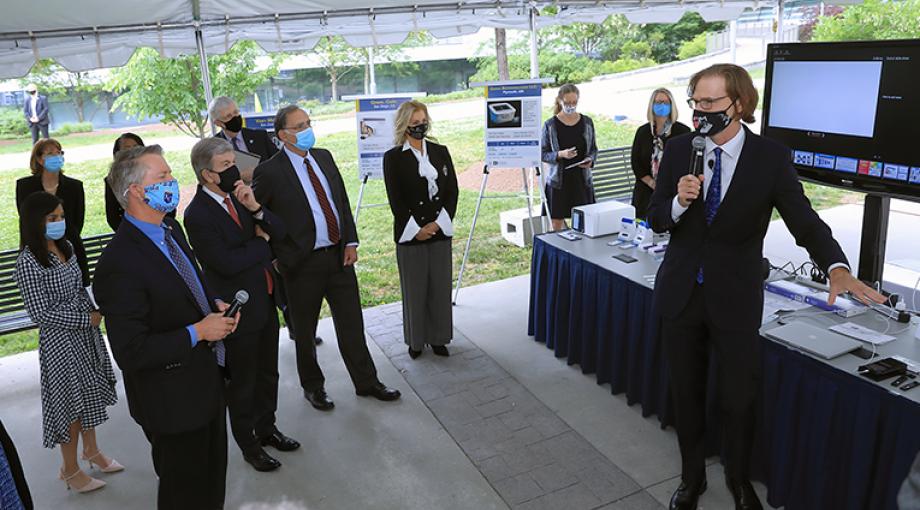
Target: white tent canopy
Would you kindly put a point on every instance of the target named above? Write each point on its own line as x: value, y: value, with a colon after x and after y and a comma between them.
x: 90, y: 34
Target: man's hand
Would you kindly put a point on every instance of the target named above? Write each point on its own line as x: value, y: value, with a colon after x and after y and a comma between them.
x: 842, y: 281
x: 244, y: 194
x: 33, y: 119
x: 587, y: 163
x: 215, y: 326
x: 261, y: 233
x: 222, y: 307
x: 95, y: 318
x: 351, y: 255
x: 688, y: 189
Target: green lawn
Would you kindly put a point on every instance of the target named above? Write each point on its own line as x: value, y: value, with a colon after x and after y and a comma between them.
x: 80, y: 139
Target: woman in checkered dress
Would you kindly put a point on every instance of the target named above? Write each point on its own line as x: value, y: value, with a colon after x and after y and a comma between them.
x: 77, y: 382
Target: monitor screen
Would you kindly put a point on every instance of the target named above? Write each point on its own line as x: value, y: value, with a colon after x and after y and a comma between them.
x: 849, y: 111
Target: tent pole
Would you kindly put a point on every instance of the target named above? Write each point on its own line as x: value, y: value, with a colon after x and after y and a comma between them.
x: 370, y: 65
x: 733, y: 39
x: 779, y: 21
x: 205, y: 72
x: 534, y: 50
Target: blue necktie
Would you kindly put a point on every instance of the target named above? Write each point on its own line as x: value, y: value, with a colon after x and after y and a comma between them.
x: 187, y: 272
x: 713, y: 198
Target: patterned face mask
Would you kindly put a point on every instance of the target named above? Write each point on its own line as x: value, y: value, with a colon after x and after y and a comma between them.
x: 162, y: 196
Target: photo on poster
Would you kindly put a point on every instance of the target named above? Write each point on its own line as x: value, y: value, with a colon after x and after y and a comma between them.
x: 373, y: 127
x: 503, y: 114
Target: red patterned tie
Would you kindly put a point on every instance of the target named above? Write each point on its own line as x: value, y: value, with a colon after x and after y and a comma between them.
x: 331, y: 224
x: 236, y: 218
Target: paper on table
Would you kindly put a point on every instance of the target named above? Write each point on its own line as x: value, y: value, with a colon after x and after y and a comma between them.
x: 774, y: 303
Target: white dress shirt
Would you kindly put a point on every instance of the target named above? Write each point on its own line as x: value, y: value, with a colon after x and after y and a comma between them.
x: 319, y: 219
x: 443, y: 220
x: 731, y: 151
x: 33, y: 103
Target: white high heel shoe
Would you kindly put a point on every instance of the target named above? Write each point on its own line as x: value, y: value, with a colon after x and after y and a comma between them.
x: 90, y: 486
x: 112, y: 467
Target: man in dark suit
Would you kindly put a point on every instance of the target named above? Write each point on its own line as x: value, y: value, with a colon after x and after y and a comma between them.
x: 36, y: 110
x: 230, y: 231
x: 302, y: 185
x: 165, y: 329
x: 709, y: 289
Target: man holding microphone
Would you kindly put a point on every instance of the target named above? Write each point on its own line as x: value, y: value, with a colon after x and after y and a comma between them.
x: 709, y: 289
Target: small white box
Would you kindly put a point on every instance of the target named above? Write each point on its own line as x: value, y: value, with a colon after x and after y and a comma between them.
x: 515, y: 225
x: 601, y: 219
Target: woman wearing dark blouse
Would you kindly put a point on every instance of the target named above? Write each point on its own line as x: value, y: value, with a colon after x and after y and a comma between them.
x: 569, y: 150
x: 47, y: 165
x: 648, y: 146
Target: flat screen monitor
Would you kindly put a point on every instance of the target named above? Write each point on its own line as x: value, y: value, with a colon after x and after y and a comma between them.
x: 849, y: 111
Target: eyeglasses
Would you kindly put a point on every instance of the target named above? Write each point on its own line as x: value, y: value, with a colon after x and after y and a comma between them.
x: 61, y: 153
x: 662, y: 102
x: 704, y: 104
x: 300, y: 127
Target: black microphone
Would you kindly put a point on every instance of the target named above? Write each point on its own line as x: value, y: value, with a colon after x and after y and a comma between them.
x: 239, y: 300
x: 696, y: 156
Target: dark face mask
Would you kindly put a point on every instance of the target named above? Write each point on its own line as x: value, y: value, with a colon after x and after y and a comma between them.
x: 33, y: 92
x: 228, y: 178
x: 418, y: 132
x: 711, y: 123
x: 235, y: 124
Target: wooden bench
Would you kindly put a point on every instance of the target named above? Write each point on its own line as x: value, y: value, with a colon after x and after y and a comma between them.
x: 13, y: 316
x: 613, y: 175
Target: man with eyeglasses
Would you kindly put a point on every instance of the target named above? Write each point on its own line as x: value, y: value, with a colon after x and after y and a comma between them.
x: 302, y: 185
x: 709, y: 289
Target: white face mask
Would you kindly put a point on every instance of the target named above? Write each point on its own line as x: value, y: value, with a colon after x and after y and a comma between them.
x: 568, y: 109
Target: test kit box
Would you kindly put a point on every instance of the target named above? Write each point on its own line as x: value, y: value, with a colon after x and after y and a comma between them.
x: 601, y: 219
x: 515, y: 225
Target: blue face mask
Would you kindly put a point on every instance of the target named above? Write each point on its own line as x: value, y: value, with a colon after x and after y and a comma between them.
x: 661, y: 109
x: 162, y: 196
x: 54, y: 163
x: 54, y: 230
x: 305, y: 139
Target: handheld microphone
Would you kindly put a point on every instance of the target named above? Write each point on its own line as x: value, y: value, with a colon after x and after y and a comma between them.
x: 696, y: 156
x: 239, y: 300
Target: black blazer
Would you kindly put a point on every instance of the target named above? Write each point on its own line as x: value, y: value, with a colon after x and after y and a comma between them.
x: 113, y: 211
x: 171, y: 386
x: 41, y: 110
x: 70, y: 191
x: 730, y: 250
x: 641, y: 158
x: 277, y: 187
x: 407, y: 192
x: 231, y: 257
x: 258, y: 141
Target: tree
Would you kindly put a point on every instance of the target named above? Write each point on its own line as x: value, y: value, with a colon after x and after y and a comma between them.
x: 338, y: 58
x: 872, y: 20
x: 391, y: 54
x: 596, y: 40
x: 151, y: 85
x: 80, y: 88
x: 667, y: 38
x: 501, y: 54
x: 812, y: 16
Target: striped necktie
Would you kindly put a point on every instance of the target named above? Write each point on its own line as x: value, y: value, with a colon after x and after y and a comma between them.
x: 331, y: 224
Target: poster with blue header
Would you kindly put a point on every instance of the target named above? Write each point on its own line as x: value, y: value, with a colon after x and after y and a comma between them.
x: 375, y: 116
x: 513, y: 123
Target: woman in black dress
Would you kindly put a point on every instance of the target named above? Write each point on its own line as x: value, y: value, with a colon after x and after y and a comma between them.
x: 648, y: 146
x: 569, y: 151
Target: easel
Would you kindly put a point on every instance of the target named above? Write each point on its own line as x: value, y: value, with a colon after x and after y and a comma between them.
x: 359, y: 205
x: 527, y: 175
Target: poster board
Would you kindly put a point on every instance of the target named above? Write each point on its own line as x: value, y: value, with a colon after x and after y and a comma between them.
x: 374, y: 118
x: 513, y: 123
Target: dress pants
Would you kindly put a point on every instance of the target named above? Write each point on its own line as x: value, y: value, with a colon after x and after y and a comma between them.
x: 425, y: 273
x: 252, y: 392
x: 34, y: 128
x: 688, y: 340
x: 324, y: 276
x: 192, y: 467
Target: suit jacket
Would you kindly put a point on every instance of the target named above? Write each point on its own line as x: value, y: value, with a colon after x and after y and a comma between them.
x: 258, y: 142
x: 231, y: 257
x: 41, y: 110
x: 277, y: 187
x: 407, y: 192
x: 730, y: 250
x: 171, y: 386
x: 70, y: 191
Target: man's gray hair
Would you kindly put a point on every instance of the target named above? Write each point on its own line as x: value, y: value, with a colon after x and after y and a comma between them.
x: 128, y: 169
x: 218, y: 104
x: 204, y: 151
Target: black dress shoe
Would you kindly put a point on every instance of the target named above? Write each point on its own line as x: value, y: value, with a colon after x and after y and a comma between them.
x: 440, y: 350
x: 414, y: 354
x: 744, y: 495
x: 319, y: 400
x: 280, y: 442
x: 260, y: 460
x: 687, y: 497
x: 380, y: 392
x: 317, y: 340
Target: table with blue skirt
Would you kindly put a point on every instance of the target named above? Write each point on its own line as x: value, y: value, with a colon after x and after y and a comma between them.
x: 826, y: 437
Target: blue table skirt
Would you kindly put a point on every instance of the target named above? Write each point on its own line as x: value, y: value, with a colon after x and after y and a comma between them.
x: 826, y: 439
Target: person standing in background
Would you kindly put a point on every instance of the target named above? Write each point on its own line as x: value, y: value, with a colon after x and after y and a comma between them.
x: 36, y: 111
x: 568, y: 141
x: 648, y: 146
x: 77, y: 381
x: 422, y: 191
x: 47, y: 164
x: 113, y: 211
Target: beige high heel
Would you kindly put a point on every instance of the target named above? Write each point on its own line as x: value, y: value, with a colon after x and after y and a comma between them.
x: 90, y: 486
x: 112, y: 467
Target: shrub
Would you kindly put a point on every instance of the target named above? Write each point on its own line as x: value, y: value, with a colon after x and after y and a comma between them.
x: 12, y: 123
x: 636, y: 50
x: 693, y: 48
x: 73, y: 127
